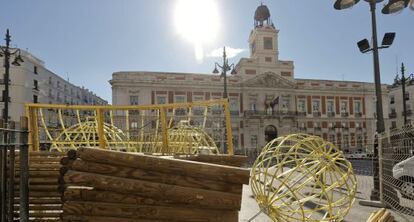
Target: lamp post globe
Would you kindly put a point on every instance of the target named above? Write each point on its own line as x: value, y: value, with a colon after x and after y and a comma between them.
x: 395, y: 6
x: 344, y: 4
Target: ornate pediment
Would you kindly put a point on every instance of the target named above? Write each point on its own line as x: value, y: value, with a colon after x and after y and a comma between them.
x: 269, y: 80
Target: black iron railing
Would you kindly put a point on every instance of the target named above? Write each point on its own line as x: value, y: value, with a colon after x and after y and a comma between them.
x: 251, y: 113
x: 316, y: 114
x: 408, y: 112
x: 344, y: 114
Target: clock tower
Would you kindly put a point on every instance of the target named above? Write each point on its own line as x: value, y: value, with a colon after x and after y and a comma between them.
x: 263, y: 38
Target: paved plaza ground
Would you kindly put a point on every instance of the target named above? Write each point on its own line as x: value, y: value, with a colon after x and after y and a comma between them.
x: 357, y: 213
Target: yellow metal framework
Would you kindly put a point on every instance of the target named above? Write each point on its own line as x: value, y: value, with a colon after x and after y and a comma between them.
x: 187, y: 128
x: 300, y: 177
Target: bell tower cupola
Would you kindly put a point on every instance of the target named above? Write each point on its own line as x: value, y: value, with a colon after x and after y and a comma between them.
x: 263, y: 38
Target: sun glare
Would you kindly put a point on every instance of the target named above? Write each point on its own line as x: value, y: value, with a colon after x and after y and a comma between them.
x: 198, y: 22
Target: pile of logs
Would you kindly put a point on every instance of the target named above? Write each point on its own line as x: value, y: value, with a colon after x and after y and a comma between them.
x: 44, y: 199
x: 221, y: 159
x: 101, y: 185
x: 381, y: 215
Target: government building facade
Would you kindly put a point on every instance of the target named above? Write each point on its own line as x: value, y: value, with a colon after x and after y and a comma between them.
x: 266, y: 100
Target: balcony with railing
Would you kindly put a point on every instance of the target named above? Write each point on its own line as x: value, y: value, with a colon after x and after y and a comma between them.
x: 358, y: 115
x: 302, y: 128
x: 198, y: 112
x: 133, y: 112
x: 256, y: 113
x: 316, y: 114
x: 330, y: 114
x: 393, y: 115
x: 344, y: 114
x: 301, y: 113
x: 2, y: 98
x: 234, y: 113
x: 408, y: 112
x: 216, y: 111
x: 180, y: 112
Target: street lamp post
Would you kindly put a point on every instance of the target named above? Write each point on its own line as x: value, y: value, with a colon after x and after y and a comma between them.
x: 7, y: 52
x: 375, y: 194
x: 224, y: 68
x: 403, y: 81
x: 393, y: 6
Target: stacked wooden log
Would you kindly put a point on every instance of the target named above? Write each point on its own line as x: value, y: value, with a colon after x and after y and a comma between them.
x: 221, y: 159
x: 381, y: 215
x: 101, y: 185
x: 44, y: 199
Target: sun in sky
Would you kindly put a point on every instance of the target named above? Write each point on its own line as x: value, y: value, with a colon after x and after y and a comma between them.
x: 198, y: 22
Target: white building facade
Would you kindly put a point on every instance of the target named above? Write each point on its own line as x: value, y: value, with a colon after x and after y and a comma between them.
x: 396, y: 110
x: 266, y: 100
x: 32, y: 82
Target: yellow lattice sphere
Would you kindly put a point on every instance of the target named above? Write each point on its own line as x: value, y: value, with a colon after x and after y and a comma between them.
x: 188, y: 139
x: 85, y: 134
x: 300, y: 177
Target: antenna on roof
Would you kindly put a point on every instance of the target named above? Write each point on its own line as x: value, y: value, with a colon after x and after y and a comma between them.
x: 396, y: 64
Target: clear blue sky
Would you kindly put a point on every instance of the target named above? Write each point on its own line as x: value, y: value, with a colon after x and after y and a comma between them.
x: 91, y: 39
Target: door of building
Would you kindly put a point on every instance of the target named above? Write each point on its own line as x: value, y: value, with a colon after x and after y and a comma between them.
x: 270, y: 133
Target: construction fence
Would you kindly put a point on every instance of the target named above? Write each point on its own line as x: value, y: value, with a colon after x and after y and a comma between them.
x: 396, y: 170
x: 389, y: 171
x: 181, y: 128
